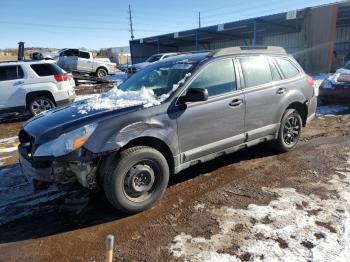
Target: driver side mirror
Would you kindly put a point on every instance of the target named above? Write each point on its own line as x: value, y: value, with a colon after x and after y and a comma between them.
x: 196, y: 95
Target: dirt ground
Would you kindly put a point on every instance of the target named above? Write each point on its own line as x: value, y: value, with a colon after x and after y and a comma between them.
x: 193, y: 213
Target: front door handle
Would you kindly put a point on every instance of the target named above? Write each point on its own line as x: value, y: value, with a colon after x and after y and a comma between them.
x: 281, y: 91
x: 236, y: 102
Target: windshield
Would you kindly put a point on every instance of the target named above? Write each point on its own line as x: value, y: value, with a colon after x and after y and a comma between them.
x: 161, y: 78
x: 153, y: 58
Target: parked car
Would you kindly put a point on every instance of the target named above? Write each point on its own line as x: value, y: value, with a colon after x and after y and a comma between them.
x: 33, y: 85
x: 131, y: 69
x: 336, y: 87
x: 84, y: 62
x: 173, y: 114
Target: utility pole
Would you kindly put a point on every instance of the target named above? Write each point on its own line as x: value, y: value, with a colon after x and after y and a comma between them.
x: 130, y: 23
x: 199, y: 19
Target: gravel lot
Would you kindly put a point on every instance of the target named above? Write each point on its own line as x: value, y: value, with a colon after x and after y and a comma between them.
x: 250, y: 205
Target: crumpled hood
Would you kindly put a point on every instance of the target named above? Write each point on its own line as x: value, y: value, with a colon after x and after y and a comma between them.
x: 50, y: 124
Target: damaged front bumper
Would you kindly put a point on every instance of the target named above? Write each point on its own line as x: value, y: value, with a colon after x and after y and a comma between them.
x: 68, y: 169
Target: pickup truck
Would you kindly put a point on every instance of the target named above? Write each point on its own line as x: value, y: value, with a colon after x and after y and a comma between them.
x: 83, y: 61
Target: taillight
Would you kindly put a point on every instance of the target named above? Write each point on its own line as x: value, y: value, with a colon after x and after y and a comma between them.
x: 309, y: 81
x: 61, y: 78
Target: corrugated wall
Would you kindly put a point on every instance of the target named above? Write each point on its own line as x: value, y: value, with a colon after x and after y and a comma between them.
x: 292, y: 42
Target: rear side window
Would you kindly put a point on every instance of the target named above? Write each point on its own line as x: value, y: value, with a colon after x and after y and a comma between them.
x: 85, y: 55
x: 288, y: 69
x: 11, y: 72
x: 218, y: 78
x: 70, y: 52
x: 46, y: 69
x: 256, y: 70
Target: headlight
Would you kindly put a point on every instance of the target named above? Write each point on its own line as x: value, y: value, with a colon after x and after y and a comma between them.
x: 66, y: 142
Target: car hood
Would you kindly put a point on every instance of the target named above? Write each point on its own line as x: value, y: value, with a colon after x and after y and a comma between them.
x: 51, y: 124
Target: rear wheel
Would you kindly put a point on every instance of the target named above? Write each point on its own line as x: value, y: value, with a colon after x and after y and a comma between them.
x: 101, y: 73
x: 40, y: 104
x: 289, y: 131
x: 138, y: 179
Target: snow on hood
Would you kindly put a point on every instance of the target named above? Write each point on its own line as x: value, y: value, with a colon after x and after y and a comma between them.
x: 118, y: 99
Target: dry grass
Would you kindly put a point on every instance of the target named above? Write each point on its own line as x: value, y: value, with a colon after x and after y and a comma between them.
x: 7, y: 57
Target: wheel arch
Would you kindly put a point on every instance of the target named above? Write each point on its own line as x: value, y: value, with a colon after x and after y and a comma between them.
x: 102, y: 67
x: 301, y: 108
x: 33, y: 94
x: 155, y: 143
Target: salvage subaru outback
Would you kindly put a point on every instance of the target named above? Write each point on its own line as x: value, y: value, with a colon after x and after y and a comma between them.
x: 173, y: 114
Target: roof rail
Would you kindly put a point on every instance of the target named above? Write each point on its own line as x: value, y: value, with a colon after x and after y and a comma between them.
x: 249, y: 50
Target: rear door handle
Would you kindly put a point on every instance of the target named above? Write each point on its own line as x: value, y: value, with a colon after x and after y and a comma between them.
x: 236, y: 102
x: 18, y: 83
x: 281, y: 91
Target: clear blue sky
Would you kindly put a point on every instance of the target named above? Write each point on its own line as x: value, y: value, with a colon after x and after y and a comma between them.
x: 104, y: 23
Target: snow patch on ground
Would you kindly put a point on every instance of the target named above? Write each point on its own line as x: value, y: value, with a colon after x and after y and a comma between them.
x: 8, y: 140
x: 294, y: 227
x: 117, y: 99
x: 8, y: 149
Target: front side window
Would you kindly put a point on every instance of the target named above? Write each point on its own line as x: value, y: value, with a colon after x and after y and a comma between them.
x: 162, y: 77
x: 287, y: 68
x: 11, y: 72
x: 217, y: 77
x: 256, y: 70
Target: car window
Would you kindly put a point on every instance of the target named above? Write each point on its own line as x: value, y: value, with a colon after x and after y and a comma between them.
x: 11, y: 72
x: 256, y: 70
x: 85, y: 55
x: 287, y: 68
x: 217, y: 77
x: 275, y: 74
x: 46, y: 69
x: 153, y: 58
x: 70, y: 52
x: 347, y: 66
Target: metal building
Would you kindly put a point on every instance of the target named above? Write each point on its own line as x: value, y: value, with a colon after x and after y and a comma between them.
x: 318, y: 37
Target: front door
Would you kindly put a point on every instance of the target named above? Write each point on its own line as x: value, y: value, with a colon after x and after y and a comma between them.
x: 11, y: 82
x: 218, y: 123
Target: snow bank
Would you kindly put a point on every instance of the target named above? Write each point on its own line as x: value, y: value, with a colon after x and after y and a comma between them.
x: 117, y: 99
x: 294, y: 227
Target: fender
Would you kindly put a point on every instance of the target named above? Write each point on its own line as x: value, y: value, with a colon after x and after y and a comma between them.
x: 292, y: 96
x: 150, y: 129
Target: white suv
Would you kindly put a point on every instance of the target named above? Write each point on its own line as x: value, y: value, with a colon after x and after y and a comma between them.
x: 33, y: 85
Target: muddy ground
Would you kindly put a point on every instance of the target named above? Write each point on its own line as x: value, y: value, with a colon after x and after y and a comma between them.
x: 36, y: 226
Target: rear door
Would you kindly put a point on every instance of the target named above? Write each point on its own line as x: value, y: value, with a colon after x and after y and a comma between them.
x: 210, y: 126
x: 84, y: 61
x: 11, y: 86
x: 263, y: 92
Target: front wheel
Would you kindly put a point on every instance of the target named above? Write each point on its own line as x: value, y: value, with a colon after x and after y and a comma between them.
x: 101, y: 73
x: 289, y: 131
x: 138, y: 179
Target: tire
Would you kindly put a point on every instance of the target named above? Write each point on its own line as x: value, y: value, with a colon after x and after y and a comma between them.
x: 137, y: 180
x: 101, y: 73
x: 40, y: 104
x: 289, y: 131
